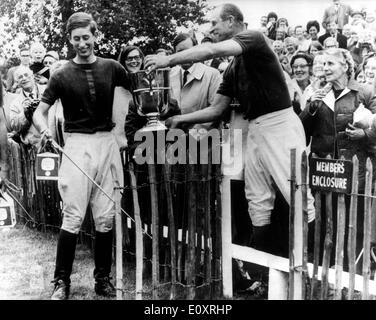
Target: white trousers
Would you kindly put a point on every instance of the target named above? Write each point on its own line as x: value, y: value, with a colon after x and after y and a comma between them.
x: 267, y: 162
x: 98, y: 155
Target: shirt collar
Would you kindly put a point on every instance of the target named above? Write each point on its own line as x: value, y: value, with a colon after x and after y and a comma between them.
x: 196, y: 71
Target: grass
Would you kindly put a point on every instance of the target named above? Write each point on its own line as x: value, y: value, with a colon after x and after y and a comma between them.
x: 27, y: 265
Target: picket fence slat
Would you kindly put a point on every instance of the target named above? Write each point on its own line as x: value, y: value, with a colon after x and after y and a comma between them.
x: 367, y: 230
x: 341, y: 222
x: 291, y: 224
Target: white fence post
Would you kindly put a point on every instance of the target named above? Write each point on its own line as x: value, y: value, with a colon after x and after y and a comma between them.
x: 226, y: 237
x: 278, y: 285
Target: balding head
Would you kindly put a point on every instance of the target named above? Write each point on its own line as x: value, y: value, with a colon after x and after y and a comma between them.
x: 228, y: 10
x: 24, y: 77
x: 227, y: 20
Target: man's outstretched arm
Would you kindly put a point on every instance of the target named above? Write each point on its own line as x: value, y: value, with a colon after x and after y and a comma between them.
x: 209, y: 114
x: 197, y: 53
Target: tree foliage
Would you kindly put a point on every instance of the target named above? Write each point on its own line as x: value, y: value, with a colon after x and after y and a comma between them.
x: 148, y: 23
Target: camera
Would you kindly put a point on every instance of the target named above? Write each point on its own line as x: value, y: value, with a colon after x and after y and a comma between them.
x: 366, y: 45
x: 34, y: 104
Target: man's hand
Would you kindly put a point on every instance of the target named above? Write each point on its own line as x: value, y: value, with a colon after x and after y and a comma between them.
x: 354, y: 133
x: 154, y: 61
x: 173, y: 122
x: 46, y: 136
x: 40, y: 79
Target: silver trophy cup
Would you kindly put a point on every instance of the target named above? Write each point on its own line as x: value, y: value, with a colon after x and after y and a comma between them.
x: 150, y: 92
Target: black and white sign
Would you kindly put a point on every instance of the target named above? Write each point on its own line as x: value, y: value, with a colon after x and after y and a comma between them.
x: 330, y: 175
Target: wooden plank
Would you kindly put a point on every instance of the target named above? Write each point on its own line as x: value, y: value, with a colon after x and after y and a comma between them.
x: 268, y: 260
x: 119, y: 250
x: 200, y: 211
x: 341, y: 222
x: 172, y: 227
x: 316, y: 249
x: 226, y: 238
x: 278, y: 285
x: 155, y: 228
x: 291, y: 223
x: 317, y: 242
x: 261, y: 258
x: 304, y: 189
x: 328, y: 244
x: 207, y: 225
x: 217, y: 247
x: 367, y: 231
x: 341, y: 217
x: 351, y: 247
x: 139, y: 234
x: 191, y: 281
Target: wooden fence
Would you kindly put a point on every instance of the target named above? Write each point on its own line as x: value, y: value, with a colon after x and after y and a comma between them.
x: 321, y: 274
x: 176, y: 250
x: 335, y: 282
x: 184, y: 248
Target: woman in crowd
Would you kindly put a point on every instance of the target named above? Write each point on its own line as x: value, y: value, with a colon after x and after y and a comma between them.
x: 329, y: 119
x: 132, y: 59
x: 291, y: 46
x: 301, y: 65
x: 283, y: 24
x: 281, y: 29
x: 318, y: 80
x: 272, y: 25
x: 278, y: 47
x: 313, y: 28
x: 359, y: 75
x: 369, y: 68
x: 303, y: 43
x: 315, y: 47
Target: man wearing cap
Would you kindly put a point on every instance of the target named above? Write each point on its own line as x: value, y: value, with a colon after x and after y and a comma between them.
x: 357, y: 18
x: 49, y: 59
x: 339, y: 12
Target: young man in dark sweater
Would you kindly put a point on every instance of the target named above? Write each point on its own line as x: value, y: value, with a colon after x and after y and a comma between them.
x: 85, y: 87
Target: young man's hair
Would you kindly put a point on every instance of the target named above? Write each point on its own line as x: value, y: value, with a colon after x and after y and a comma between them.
x: 182, y: 37
x: 229, y: 9
x: 81, y: 20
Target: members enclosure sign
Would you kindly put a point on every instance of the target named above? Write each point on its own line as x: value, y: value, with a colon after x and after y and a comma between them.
x: 330, y: 175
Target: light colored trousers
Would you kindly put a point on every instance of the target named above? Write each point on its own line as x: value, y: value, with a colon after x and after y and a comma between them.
x: 267, y: 161
x: 98, y: 155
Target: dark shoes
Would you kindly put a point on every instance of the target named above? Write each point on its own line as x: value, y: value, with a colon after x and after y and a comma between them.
x: 103, y: 287
x: 61, y: 291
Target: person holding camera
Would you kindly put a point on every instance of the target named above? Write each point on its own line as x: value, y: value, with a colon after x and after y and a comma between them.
x: 23, y: 106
